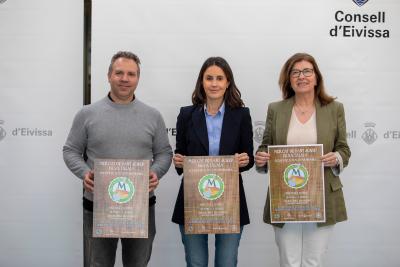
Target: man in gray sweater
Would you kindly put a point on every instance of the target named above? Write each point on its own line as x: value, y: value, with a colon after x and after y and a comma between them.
x: 119, y: 126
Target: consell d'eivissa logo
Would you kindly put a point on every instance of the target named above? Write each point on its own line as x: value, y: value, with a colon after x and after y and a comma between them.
x: 25, y: 132
x: 31, y: 132
x: 3, y: 132
x: 360, y: 2
x: 258, y: 130
x: 360, y: 25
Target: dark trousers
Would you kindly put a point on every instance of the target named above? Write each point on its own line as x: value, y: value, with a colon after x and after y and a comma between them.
x: 100, y: 252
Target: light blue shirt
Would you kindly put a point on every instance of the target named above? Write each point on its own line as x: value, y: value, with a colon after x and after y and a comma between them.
x: 214, y: 128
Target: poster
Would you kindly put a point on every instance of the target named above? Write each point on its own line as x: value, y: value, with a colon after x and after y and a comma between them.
x: 296, y: 184
x: 211, y: 190
x: 121, y: 198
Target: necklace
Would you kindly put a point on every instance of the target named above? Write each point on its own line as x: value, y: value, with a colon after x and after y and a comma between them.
x: 303, y: 111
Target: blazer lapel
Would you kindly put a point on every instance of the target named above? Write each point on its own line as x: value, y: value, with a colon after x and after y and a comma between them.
x: 225, y: 131
x: 283, y: 120
x: 200, y: 127
x: 323, y: 133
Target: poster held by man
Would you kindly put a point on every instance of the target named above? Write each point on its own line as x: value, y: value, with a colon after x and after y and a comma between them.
x: 296, y: 183
x: 211, y: 191
x: 121, y: 198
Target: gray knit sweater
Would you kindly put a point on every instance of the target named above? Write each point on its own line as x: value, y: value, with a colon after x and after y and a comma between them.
x: 118, y: 131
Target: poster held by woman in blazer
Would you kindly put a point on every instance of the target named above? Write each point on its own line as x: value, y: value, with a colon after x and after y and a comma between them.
x: 216, y: 124
x: 307, y: 115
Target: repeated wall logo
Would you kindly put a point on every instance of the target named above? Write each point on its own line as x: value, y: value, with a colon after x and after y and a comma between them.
x: 171, y: 131
x: 3, y: 132
x: 352, y: 134
x: 369, y: 135
x: 349, y: 24
x: 34, y: 132
x: 392, y: 135
x: 2, y: 1
x: 258, y: 131
x: 24, y: 131
x: 360, y: 2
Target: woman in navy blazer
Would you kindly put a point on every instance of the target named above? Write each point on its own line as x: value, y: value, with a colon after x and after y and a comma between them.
x: 216, y: 124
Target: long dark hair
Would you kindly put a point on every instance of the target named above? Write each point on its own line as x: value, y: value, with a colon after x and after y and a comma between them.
x: 284, y: 78
x: 232, y: 95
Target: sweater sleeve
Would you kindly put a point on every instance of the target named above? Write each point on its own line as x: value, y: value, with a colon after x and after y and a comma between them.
x: 75, y: 146
x: 162, y: 152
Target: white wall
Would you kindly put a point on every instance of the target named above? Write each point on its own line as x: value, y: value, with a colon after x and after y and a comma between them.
x: 41, y: 88
x: 41, y: 44
x: 173, y: 38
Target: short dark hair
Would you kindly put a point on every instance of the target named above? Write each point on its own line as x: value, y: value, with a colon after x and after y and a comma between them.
x: 284, y: 78
x: 232, y: 95
x: 124, y: 54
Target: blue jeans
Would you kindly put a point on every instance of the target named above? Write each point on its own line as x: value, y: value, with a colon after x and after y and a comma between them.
x: 196, y: 249
x: 100, y: 252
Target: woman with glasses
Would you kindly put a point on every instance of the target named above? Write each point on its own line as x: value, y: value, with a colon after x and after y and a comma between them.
x: 307, y: 115
x: 216, y: 124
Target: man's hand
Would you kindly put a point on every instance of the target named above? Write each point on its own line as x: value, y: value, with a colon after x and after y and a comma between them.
x: 153, y: 181
x: 88, y: 181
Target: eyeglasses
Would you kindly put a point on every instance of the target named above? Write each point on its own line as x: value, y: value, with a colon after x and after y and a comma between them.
x: 306, y: 72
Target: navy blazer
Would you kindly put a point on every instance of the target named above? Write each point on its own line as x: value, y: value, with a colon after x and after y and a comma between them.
x: 192, y: 140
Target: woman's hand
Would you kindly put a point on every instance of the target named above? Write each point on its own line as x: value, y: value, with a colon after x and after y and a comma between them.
x: 243, y: 159
x: 261, y: 158
x: 178, y: 160
x: 330, y: 160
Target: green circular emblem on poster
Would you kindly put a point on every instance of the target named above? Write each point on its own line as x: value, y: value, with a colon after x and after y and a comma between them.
x: 296, y: 176
x: 121, y: 190
x: 211, y: 186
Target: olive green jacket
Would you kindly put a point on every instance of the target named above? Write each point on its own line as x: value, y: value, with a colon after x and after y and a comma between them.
x: 331, y: 132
